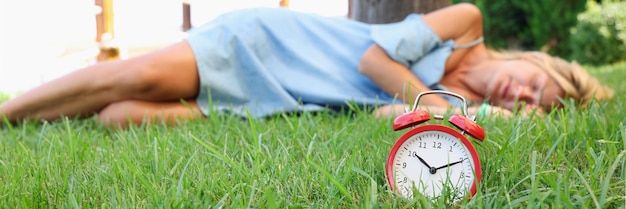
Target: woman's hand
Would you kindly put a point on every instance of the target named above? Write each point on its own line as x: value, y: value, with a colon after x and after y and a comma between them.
x: 530, y: 110
x: 391, y: 110
x: 494, y: 111
x: 394, y: 110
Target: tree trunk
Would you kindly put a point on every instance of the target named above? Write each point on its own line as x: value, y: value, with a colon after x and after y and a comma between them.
x: 186, y: 15
x: 381, y: 11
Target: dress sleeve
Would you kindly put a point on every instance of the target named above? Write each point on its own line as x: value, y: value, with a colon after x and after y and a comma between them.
x: 406, y: 41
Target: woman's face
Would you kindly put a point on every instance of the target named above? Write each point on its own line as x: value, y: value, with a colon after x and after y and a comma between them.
x: 520, y: 81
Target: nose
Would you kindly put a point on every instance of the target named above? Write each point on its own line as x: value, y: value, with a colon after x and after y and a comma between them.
x: 526, y: 94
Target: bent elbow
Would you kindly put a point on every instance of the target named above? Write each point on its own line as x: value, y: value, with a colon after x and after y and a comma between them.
x: 362, y: 68
x: 367, y: 59
x: 472, y: 11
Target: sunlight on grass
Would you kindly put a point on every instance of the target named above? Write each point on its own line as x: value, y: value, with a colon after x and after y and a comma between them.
x: 572, y: 158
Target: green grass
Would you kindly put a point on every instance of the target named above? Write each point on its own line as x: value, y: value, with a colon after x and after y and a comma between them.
x: 570, y: 159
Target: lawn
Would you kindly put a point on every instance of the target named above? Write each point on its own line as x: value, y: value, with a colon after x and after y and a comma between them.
x: 570, y: 159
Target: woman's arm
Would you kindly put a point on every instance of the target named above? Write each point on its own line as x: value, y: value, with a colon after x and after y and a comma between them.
x: 394, y: 78
x: 461, y: 22
x: 394, y: 110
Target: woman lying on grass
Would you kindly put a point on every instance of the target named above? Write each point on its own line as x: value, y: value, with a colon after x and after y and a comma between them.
x: 268, y: 61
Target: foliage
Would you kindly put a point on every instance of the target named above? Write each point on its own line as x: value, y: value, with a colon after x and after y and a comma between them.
x: 502, y: 21
x: 4, y: 97
x: 534, y: 24
x: 571, y: 158
x: 550, y: 21
x: 600, y: 34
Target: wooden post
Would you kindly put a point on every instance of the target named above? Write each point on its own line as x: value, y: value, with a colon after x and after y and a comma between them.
x: 105, y: 32
x: 349, y: 9
x: 186, y: 15
x: 377, y: 11
x: 284, y: 3
x: 104, y: 19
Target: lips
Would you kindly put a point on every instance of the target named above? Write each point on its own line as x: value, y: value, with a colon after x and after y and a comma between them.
x: 505, y: 89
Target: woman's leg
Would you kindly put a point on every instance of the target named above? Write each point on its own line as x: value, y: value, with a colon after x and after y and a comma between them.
x: 168, y: 74
x: 120, y: 114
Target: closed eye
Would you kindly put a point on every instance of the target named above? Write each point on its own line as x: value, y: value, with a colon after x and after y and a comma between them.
x: 536, y: 83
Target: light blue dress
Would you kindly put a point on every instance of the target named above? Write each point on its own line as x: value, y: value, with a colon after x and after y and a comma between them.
x: 270, y: 60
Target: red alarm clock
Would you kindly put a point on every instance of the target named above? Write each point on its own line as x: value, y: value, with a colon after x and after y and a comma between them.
x: 434, y: 159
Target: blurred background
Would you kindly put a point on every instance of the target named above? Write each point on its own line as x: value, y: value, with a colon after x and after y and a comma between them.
x: 42, y: 39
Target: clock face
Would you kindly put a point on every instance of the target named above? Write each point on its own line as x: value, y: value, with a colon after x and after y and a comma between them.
x: 434, y: 163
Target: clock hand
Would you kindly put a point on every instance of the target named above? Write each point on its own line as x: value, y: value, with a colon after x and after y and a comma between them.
x: 432, y: 170
x: 451, y: 164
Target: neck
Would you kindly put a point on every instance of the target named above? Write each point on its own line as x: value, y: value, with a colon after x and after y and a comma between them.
x: 476, y: 77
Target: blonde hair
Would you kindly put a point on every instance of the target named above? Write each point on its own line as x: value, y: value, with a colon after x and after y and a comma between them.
x: 577, y: 83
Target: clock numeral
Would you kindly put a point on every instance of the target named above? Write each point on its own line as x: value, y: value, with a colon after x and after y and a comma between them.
x: 450, y: 149
x: 422, y: 145
x: 437, y: 145
x: 460, y: 191
x: 404, y: 165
